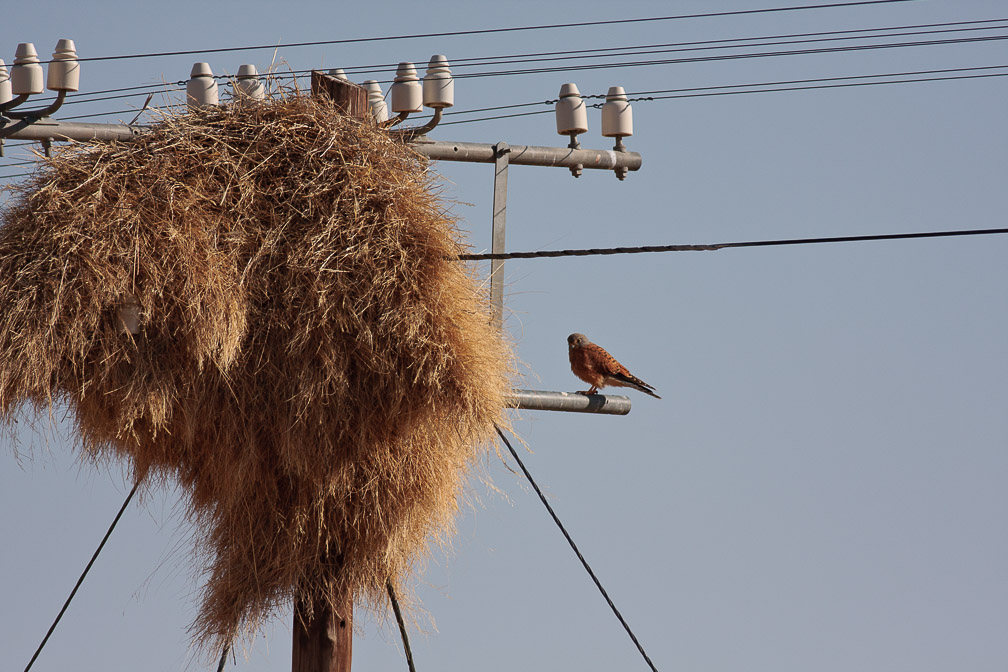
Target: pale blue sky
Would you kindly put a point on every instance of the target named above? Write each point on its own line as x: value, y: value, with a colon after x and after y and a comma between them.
x: 822, y: 485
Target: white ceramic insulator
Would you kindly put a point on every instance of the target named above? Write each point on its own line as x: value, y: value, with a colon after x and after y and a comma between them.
x: 376, y: 101
x: 617, y: 114
x: 571, y: 111
x: 438, y: 83
x: 247, y: 82
x: 201, y: 89
x: 338, y: 74
x: 26, y: 75
x: 64, y: 70
x: 5, y: 85
x: 407, y: 94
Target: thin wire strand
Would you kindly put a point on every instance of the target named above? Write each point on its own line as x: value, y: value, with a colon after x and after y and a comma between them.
x: 758, y: 41
x: 597, y: 53
x: 73, y: 592
x: 402, y: 624
x: 740, y: 92
x: 223, y: 658
x: 570, y: 541
x: 650, y: 95
x: 485, y: 31
x: 729, y: 57
x: 597, y: 251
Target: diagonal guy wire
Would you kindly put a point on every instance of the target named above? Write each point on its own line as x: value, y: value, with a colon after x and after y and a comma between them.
x: 570, y: 541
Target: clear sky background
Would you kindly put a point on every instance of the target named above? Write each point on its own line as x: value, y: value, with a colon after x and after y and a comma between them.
x: 823, y: 485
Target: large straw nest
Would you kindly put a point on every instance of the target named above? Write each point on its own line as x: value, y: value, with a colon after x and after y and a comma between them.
x: 313, y: 367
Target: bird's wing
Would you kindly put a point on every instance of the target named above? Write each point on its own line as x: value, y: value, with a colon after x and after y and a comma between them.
x: 604, y: 362
x: 609, y: 367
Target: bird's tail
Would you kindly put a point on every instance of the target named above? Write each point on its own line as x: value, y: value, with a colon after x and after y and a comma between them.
x: 644, y: 388
x: 633, y: 381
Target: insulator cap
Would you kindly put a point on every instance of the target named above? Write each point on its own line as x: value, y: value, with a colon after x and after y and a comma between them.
x: 247, y: 83
x: 407, y: 94
x: 26, y: 74
x: 5, y: 85
x: 438, y: 83
x: 376, y: 101
x: 64, y: 70
x: 617, y: 114
x: 338, y: 74
x: 201, y: 89
x: 571, y: 111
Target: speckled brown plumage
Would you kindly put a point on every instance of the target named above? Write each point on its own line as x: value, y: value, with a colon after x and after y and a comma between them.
x: 592, y: 364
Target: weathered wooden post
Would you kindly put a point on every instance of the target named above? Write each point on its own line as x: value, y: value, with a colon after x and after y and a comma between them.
x: 350, y: 99
x: 323, y: 638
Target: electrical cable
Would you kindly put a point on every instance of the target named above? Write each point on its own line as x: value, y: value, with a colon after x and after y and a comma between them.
x: 402, y: 624
x: 94, y: 557
x: 729, y: 57
x: 674, y: 47
x: 485, y: 31
x: 597, y: 53
x: 649, y: 95
x: 596, y: 251
x: 738, y: 92
x: 606, y: 52
x: 563, y: 530
x: 717, y: 57
x: 223, y: 658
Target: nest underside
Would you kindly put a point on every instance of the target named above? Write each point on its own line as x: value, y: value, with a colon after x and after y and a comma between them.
x: 313, y: 366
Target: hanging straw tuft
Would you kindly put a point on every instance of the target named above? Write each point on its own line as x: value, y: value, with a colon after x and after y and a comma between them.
x: 310, y: 363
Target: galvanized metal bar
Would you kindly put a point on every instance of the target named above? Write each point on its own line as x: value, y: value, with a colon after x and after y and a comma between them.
x: 499, y: 220
x: 537, y: 400
x: 59, y: 131
x: 530, y: 155
x: 441, y: 150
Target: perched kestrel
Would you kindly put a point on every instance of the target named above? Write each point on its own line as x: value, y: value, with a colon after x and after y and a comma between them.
x: 592, y: 364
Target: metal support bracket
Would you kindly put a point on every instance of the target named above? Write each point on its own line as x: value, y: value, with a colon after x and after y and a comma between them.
x: 536, y: 400
x: 501, y: 152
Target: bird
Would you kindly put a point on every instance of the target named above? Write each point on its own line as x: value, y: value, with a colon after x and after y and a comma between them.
x: 592, y: 364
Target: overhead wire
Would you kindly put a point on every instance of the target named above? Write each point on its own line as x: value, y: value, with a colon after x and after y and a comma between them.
x: 729, y: 57
x: 91, y: 562
x: 713, y: 247
x: 583, y: 54
x: 402, y: 624
x: 577, y: 552
x: 512, y: 29
x: 734, y: 89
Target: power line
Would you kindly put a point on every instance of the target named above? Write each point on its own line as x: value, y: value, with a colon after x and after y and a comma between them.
x: 729, y: 57
x: 485, y: 31
x: 739, y: 92
x: 717, y: 57
x: 582, y: 54
x: 693, y: 46
x: 83, y: 574
x: 402, y: 624
x: 604, y: 52
x: 570, y: 541
x: 597, y: 251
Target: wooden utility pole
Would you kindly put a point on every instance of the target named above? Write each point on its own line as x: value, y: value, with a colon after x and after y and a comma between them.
x: 349, y: 98
x: 323, y: 639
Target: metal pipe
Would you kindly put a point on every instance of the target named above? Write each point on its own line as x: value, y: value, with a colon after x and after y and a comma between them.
x: 442, y: 150
x: 530, y: 155
x: 536, y: 400
x: 14, y: 102
x: 40, y: 113
x: 411, y: 133
x: 66, y: 130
